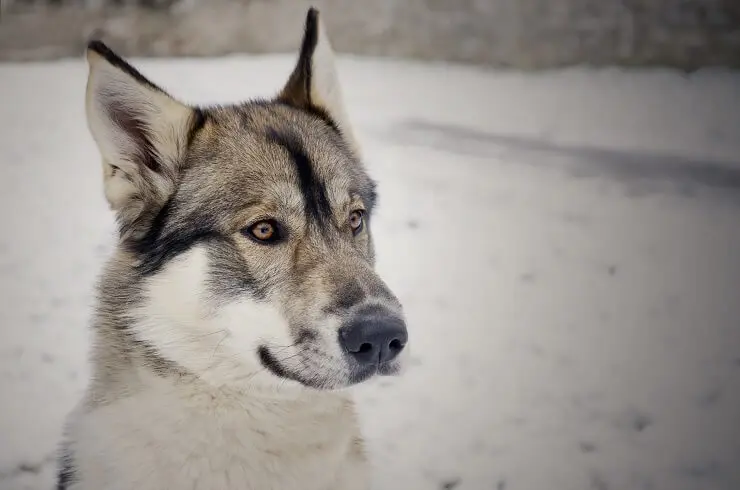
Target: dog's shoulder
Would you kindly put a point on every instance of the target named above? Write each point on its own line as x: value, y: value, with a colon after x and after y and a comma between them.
x: 220, y: 436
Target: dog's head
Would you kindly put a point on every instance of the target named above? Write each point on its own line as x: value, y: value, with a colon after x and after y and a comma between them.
x: 245, y: 230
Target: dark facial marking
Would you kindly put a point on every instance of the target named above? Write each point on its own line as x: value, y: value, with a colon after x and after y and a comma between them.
x: 273, y: 365
x: 156, y: 248
x: 317, y: 204
x: 161, y: 366
x: 269, y: 361
x: 66, y: 474
x: 305, y: 336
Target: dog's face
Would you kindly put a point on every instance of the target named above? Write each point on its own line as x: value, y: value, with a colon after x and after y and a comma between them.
x: 245, y: 229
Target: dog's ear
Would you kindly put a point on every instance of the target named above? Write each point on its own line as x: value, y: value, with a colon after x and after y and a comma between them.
x: 142, y: 134
x: 314, y: 85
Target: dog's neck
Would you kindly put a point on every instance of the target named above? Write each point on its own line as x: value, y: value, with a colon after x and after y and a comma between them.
x: 294, y: 404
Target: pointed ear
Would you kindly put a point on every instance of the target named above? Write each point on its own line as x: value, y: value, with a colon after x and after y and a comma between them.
x: 142, y: 134
x: 314, y: 84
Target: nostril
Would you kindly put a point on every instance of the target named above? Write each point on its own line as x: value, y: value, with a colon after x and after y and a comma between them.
x: 364, y: 348
x: 395, y: 345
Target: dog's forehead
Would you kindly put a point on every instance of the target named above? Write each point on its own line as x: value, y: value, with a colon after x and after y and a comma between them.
x: 269, y: 150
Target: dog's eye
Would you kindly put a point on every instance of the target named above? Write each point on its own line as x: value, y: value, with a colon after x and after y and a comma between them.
x: 263, y: 231
x: 356, y: 221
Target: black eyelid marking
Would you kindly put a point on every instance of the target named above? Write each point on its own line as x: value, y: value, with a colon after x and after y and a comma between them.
x: 278, y: 235
x: 261, y: 219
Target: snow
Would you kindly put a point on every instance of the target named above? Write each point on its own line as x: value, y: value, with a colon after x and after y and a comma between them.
x: 565, y: 244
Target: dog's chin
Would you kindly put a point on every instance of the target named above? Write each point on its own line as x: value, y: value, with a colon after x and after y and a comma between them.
x: 354, y: 375
x: 366, y: 373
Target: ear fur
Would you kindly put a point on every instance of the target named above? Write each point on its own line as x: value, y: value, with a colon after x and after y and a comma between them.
x: 314, y: 85
x: 142, y: 134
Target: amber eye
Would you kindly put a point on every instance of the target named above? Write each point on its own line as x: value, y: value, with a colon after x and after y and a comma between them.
x: 356, y: 221
x: 263, y: 231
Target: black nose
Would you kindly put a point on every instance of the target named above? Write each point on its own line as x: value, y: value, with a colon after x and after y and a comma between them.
x: 373, y: 339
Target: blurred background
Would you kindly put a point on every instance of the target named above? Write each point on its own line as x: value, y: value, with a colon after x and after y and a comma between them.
x: 510, y: 33
x: 559, y: 213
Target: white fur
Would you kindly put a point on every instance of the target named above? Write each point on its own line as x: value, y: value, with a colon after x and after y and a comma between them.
x: 214, y: 430
x: 179, y: 435
x: 217, y: 342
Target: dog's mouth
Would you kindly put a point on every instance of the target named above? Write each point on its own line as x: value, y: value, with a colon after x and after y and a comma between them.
x: 354, y: 376
x: 362, y: 374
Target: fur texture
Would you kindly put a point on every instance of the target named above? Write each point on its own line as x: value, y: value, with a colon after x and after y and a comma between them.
x: 221, y: 357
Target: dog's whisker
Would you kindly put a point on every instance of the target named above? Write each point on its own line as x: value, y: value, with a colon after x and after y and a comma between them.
x: 196, y: 337
x: 226, y: 334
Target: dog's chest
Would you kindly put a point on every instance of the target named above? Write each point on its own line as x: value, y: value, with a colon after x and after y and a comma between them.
x: 160, y: 440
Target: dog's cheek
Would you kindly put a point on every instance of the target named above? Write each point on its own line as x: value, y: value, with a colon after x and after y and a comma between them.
x: 173, y: 314
x: 208, y: 334
x: 251, y: 324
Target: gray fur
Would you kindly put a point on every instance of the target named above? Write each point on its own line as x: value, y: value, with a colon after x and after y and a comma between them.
x: 187, y: 184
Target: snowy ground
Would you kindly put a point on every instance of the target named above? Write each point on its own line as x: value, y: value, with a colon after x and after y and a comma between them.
x: 567, y: 246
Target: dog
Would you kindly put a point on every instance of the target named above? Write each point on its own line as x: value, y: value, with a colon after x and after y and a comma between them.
x: 241, y: 301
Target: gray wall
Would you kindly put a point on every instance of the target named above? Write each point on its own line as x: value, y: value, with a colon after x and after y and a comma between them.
x: 513, y: 33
